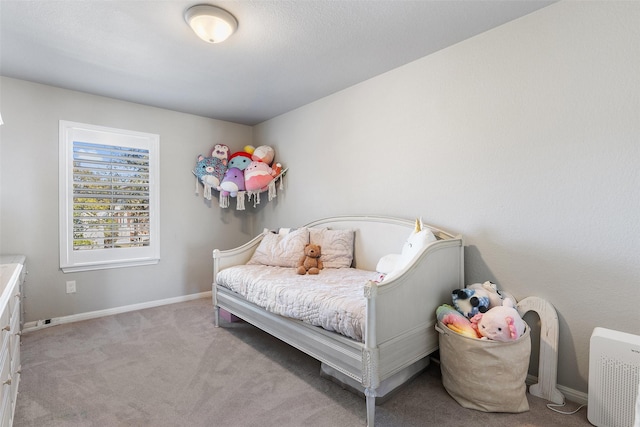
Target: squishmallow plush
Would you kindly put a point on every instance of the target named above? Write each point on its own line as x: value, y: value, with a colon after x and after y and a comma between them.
x: 232, y: 182
x: 501, y: 323
x: 209, y: 171
x: 257, y: 176
x: 239, y: 160
x: 220, y: 151
x: 263, y: 153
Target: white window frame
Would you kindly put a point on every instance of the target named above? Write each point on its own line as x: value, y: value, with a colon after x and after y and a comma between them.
x: 96, y: 259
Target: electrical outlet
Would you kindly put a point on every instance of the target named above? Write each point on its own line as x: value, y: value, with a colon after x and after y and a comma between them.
x: 71, y: 287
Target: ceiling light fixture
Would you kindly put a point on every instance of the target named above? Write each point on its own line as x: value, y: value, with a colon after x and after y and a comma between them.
x: 210, y: 23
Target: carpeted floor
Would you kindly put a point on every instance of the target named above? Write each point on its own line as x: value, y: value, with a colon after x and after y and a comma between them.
x: 168, y: 366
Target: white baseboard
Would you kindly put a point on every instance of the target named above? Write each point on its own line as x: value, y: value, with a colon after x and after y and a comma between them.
x: 569, y: 393
x: 41, y: 324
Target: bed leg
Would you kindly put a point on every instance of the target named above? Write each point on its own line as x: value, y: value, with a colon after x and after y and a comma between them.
x: 216, y: 316
x: 371, y: 406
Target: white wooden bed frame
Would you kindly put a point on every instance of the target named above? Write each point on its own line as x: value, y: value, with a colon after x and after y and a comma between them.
x: 400, y: 313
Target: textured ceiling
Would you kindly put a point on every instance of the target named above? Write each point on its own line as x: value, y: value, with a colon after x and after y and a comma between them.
x: 285, y: 53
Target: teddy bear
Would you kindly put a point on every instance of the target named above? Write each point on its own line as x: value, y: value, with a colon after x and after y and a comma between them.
x: 501, y: 323
x: 310, y: 261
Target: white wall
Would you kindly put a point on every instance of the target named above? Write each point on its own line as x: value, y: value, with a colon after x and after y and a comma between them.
x: 524, y: 139
x: 189, y: 227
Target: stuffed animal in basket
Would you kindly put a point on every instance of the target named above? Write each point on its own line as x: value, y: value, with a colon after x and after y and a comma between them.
x: 470, y: 302
x: 310, y: 261
x: 501, y: 323
x: 452, y: 319
x: 490, y: 290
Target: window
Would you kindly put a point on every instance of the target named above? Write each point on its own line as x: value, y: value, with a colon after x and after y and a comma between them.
x: 108, y: 197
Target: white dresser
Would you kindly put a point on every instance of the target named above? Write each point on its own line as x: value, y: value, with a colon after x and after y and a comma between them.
x: 12, y: 272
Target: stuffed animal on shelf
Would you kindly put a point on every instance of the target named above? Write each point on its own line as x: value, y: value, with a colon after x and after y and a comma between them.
x: 310, y: 261
x: 239, y: 160
x: 452, y: 319
x: 232, y: 182
x: 258, y: 175
x: 263, y: 153
x: 221, y: 151
x: 209, y: 171
x: 470, y: 302
x: 502, y: 323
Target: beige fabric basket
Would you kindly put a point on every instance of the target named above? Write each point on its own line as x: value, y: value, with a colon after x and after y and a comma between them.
x: 485, y: 375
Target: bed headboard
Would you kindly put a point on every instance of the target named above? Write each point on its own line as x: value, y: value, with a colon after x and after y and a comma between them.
x: 375, y: 236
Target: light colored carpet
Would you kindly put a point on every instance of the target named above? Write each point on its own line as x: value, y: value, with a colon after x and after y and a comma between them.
x: 168, y: 366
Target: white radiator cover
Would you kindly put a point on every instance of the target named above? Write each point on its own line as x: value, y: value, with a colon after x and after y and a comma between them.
x: 614, y: 377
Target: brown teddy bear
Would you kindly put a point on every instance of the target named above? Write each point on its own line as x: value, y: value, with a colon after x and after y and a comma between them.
x: 310, y: 261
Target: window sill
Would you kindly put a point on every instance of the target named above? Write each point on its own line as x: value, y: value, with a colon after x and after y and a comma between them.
x: 105, y: 266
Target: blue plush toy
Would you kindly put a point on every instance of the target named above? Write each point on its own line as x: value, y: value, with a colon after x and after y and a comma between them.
x: 470, y: 302
x: 210, y: 172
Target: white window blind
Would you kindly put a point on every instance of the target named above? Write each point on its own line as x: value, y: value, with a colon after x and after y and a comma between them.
x: 108, y: 197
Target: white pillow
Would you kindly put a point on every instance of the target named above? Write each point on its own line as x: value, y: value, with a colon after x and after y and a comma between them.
x: 336, y: 246
x: 387, y: 263
x: 281, y: 250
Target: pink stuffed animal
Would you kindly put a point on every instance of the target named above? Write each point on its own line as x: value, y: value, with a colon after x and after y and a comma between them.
x: 502, y: 323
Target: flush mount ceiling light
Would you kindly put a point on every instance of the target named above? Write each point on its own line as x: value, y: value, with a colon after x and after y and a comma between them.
x: 210, y: 23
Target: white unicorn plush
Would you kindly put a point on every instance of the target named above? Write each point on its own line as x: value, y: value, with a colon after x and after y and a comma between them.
x: 393, y: 264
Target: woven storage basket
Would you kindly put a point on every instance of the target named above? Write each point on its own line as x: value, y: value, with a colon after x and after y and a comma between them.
x: 485, y: 375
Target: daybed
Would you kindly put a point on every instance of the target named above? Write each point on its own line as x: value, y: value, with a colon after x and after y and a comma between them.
x: 398, y: 331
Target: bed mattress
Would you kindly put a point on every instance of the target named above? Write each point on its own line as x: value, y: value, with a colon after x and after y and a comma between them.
x: 333, y: 299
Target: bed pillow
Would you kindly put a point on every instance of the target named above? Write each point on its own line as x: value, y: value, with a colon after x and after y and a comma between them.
x: 281, y: 250
x: 336, y: 246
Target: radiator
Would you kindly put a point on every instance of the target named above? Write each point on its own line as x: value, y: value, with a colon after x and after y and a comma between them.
x: 614, y: 378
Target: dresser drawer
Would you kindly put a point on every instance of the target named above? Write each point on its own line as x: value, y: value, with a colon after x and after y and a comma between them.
x: 5, y: 319
x: 5, y: 371
x: 5, y: 406
x: 14, y: 321
x: 15, y: 364
x: 14, y: 300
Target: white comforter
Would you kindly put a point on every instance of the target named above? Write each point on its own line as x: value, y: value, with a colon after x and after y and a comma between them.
x: 333, y: 299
